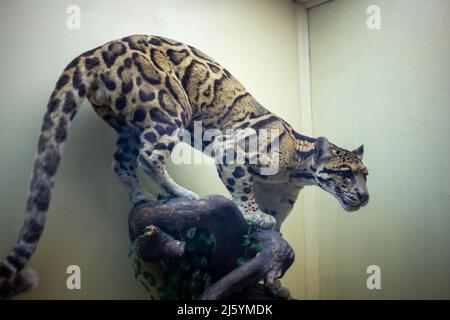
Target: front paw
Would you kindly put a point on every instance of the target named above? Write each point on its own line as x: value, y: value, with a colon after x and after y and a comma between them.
x: 142, y: 198
x: 261, y: 220
x: 185, y: 194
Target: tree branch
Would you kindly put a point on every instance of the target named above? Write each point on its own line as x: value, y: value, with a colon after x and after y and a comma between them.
x: 161, y: 231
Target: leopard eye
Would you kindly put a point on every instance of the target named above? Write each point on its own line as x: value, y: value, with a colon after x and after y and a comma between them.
x: 347, y: 174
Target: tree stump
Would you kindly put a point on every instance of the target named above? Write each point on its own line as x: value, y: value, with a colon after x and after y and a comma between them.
x: 160, y: 229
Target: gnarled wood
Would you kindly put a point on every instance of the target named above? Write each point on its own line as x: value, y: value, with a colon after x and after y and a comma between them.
x: 161, y: 231
x: 155, y: 244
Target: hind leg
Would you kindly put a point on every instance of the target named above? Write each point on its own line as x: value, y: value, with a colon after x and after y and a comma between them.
x: 156, y: 149
x: 125, y: 164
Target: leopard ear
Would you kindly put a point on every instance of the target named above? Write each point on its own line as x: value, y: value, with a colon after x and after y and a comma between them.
x: 359, y: 152
x: 322, y: 150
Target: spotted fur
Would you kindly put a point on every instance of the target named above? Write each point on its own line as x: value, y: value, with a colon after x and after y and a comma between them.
x: 147, y: 87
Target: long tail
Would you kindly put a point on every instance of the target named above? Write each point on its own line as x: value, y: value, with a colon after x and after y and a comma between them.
x: 69, y: 92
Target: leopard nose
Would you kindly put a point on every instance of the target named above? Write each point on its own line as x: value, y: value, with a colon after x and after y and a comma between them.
x: 364, y: 197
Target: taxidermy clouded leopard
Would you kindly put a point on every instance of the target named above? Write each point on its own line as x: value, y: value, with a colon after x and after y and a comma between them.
x: 146, y: 88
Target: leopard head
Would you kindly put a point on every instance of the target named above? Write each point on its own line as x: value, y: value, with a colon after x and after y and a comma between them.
x: 341, y: 173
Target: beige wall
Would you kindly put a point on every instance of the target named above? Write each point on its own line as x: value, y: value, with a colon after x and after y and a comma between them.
x: 388, y: 89
x: 87, y: 222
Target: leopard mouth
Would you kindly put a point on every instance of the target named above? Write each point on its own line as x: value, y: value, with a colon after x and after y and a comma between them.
x: 348, y: 202
x: 352, y: 206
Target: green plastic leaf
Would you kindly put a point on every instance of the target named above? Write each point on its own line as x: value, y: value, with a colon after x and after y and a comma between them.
x: 163, y: 293
x: 211, y: 239
x: 246, y: 242
x: 251, y: 225
x: 174, y: 279
x: 150, y: 278
x: 185, y: 265
x: 196, y: 285
x: 145, y: 286
x: 197, y: 275
x: 132, y: 248
x: 240, y: 261
x: 204, y: 261
x: 164, y: 265
x: 160, y: 196
x: 138, y: 265
x: 207, y: 279
x: 256, y: 247
x: 190, y: 246
x: 191, y: 233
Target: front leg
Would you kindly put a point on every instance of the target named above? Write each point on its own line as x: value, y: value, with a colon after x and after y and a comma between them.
x: 239, y: 183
